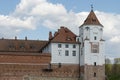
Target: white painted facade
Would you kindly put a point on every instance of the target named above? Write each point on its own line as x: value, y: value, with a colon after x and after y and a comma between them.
x: 83, y: 49
x: 58, y: 54
x: 90, y: 36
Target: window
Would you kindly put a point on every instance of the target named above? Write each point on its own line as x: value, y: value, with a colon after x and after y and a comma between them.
x: 22, y: 45
x: 95, y: 38
x: 94, y: 47
x: 66, y: 46
x: 87, y: 28
x: 59, y: 45
x: 59, y: 52
x: 66, y: 53
x: 31, y: 46
x: 94, y: 63
x: 11, y: 46
x: 74, y: 53
x: 74, y: 46
x: 94, y: 74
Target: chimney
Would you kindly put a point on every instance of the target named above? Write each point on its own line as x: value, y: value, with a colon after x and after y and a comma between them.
x: 55, y: 33
x: 15, y: 37
x: 50, y: 35
x: 62, y: 27
x: 26, y: 38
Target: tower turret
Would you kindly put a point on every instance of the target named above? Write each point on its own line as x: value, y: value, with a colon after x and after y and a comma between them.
x: 92, y: 49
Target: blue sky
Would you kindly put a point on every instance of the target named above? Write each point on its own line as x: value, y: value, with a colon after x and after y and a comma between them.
x: 35, y: 18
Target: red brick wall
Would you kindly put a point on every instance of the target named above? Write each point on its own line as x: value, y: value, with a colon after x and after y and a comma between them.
x: 16, y: 67
x: 19, y: 71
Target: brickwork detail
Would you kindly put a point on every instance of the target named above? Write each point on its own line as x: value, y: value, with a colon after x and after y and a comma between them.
x: 94, y: 72
x: 25, y: 72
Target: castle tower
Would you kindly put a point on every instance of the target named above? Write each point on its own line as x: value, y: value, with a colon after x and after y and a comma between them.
x: 92, y: 49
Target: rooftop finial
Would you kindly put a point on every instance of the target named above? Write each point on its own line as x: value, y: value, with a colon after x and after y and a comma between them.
x: 91, y: 6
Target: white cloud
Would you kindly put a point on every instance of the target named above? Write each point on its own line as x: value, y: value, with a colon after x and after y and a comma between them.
x: 30, y: 14
x: 115, y: 39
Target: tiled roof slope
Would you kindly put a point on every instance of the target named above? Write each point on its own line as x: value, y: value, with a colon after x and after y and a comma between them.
x: 92, y: 19
x: 64, y: 35
x: 8, y: 57
x: 13, y: 45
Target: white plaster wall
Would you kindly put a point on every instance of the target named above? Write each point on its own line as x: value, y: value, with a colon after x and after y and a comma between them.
x: 88, y: 57
x: 56, y: 58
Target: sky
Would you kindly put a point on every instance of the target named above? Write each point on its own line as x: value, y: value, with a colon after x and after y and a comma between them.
x: 35, y: 18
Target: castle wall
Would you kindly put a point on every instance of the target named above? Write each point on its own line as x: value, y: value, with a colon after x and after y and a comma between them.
x: 37, y: 72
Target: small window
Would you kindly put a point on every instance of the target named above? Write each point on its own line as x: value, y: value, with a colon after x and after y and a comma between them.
x: 81, y: 51
x: 74, y: 53
x: 59, y: 52
x: 66, y: 53
x: 22, y: 46
x: 95, y: 38
x: 94, y: 74
x: 59, y: 45
x: 11, y: 46
x: 31, y: 46
x: 94, y: 63
x: 74, y: 46
x: 66, y: 46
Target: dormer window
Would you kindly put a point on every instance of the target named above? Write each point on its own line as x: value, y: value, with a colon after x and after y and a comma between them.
x: 68, y: 38
x: 32, y: 46
x: 22, y: 46
x: 11, y: 46
x: 93, y: 20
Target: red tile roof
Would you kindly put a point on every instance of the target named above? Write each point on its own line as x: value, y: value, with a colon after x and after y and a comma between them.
x: 15, y: 45
x: 92, y: 19
x: 64, y: 35
x: 8, y: 57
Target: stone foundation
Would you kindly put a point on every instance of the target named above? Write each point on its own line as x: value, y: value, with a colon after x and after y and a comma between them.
x: 93, y: 72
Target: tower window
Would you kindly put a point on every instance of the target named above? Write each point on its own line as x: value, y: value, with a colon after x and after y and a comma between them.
x: 94, y: 74
x: 87, y: 28
x: 66, y: 53
x: 94, y: 63
x: 95, y: 38
x: 59, y: 45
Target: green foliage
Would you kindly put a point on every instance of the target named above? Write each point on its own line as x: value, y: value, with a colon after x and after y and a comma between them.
x: 112, y: 71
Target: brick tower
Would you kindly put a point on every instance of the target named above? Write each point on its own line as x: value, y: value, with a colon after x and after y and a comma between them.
x: 92, y: 49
